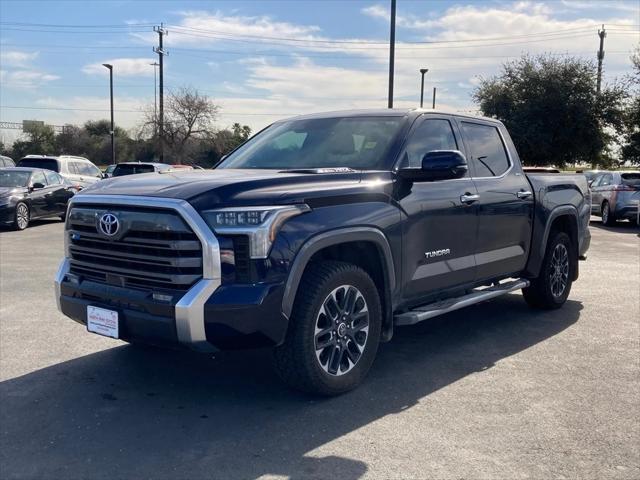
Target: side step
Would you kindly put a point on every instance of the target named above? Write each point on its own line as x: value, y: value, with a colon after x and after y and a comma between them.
x: 445, y: 306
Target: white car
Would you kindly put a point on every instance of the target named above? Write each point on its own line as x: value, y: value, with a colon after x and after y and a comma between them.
x: 78, y: 171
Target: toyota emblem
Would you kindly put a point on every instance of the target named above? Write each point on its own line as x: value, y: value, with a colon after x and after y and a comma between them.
x: 109, y: 224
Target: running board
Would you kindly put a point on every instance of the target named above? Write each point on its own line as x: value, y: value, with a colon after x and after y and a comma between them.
x: 445, y: 306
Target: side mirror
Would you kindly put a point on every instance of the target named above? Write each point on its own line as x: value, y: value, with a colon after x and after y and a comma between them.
x: 37, y: 185
x: 437, y: 165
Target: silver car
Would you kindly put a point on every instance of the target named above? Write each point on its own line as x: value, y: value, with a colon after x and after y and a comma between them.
x: 78, y: 171
x: 615, y: 196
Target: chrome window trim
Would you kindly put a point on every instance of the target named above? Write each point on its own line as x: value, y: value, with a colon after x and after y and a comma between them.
x: 190, y: 308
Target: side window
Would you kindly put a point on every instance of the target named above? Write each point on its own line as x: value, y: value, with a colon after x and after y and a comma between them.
x: 38, y: 177
x: 606, y: 180
x: 72, y: 168
x: 52, y: 178
x: 488, y: 153
x: 92, y: 170
x: 431, y: 134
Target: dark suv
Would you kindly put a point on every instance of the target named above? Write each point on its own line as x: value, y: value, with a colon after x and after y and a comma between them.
x: 616, y: 196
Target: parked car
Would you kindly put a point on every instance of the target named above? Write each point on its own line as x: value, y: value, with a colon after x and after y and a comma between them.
x: 132, y: 168
x: 108, y: 172
x: 615, y: 196
x: 319, y: 236
x: 78, y: 170
x: 179, y: 166
x: 6, y: 162
x: 29, y: 193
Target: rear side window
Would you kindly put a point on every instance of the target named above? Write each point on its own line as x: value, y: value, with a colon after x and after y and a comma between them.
x: 431, y: 134
x: 46, y: 163
x: 123, y: 169
x: 52, y: 178
x: 488, y: 153
x: 631, y: 179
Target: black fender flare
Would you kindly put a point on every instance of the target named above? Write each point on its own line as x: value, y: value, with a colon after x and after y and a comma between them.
x: 535, y: 260
x: 335, y: 237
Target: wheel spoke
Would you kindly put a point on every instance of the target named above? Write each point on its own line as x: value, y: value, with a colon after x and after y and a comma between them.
x: 350, y: 300
x: 334, y: 360
x: 324, y: 338
x: 331, y: 308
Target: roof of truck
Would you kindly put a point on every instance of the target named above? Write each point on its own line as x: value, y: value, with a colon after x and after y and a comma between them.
x: 386, y: 112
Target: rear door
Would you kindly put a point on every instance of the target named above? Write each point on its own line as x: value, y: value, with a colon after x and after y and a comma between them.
x: 58, y: 194
x: 505, y: 205
x: 439, y: 231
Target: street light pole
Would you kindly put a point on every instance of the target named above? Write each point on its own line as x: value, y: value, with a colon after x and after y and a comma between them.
x: 422, y: 71
x: 113, y: 145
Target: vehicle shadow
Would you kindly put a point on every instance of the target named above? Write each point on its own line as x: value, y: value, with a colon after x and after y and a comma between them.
x: 32, y: 224
x: 619, y: 227
x: 146, y: 413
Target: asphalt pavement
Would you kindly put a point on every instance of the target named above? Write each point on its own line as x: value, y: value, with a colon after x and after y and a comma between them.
x: 496, y: 391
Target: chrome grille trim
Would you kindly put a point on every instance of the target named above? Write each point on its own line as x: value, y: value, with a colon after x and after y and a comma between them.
x: 190, y: 308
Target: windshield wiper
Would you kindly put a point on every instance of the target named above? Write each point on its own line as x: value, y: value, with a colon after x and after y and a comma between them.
x: 319, y: 170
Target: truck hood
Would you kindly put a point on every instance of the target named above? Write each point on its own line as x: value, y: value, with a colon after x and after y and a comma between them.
x: 224, y: 187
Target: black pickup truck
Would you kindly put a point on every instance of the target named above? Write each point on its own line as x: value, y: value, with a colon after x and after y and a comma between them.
x: 319, y: 236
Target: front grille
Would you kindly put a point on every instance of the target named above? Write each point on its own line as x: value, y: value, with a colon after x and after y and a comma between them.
x: 154, y: 248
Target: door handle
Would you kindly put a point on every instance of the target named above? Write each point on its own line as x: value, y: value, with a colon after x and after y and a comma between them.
x: 468, y: 198
x: 524, y: 194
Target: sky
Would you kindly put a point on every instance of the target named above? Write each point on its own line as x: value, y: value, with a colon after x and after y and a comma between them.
x: 263, y: 60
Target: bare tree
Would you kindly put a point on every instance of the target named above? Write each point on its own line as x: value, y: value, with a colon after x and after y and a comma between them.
x: 188, y: 116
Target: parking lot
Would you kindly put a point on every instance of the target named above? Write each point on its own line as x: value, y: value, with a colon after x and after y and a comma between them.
x: 493, y: 391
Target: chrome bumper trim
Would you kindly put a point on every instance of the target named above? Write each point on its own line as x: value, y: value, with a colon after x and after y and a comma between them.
x: 190, y: 308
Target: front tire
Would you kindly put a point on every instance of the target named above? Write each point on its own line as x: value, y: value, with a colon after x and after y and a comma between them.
x: 334, y: 330
x: 551, y: 289
x: 21, y: 216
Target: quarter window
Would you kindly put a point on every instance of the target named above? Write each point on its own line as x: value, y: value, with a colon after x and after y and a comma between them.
x: 488, y: 153
x: 431, y: 134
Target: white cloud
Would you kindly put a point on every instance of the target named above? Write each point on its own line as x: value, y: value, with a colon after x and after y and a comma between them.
x: 26, y: 79
x: 628, y: 6
x: 16, y: 58
x: 125, y: 67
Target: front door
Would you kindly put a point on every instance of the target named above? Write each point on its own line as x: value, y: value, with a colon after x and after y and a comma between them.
x: 505, y: 204
x: 439, y: 231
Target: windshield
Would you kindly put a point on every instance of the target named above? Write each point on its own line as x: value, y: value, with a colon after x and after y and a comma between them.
x: 14, y: 178
x: 352, y: 142
x: 122, y: 169
x: 46, y: 163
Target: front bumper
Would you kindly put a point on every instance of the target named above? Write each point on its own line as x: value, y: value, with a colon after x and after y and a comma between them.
x: 7, y: 213
x: 206, y: 317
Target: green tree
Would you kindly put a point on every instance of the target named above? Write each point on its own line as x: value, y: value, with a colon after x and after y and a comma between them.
x: 631, y: 127
x: 40, y: 141
x: 552, y: 110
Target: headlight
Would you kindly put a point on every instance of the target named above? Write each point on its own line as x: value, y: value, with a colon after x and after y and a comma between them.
x: 260, y: 224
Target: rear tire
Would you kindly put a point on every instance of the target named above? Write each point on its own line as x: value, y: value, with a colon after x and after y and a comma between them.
x: 608, y: 218
x: 334, y: 330
x: 21, y: 216
x: 551, y: 289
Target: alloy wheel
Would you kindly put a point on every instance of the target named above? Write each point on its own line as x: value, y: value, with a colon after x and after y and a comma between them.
x: 22, y: 216
x: 559, y: 270
x: 605, y: 213
x: 341, y: 330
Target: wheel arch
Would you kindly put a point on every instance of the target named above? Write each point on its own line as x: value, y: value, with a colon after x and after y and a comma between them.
x: 365, y: 247
x: 563, y: 219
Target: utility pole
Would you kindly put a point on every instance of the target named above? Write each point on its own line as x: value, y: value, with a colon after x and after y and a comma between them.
x: 392, y: 51
x: 433, y: 105
x: 161, y: 53
x: 155, y: 98
x: 601, y: 33
x: 422, y: 72
x: 113, y: 144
